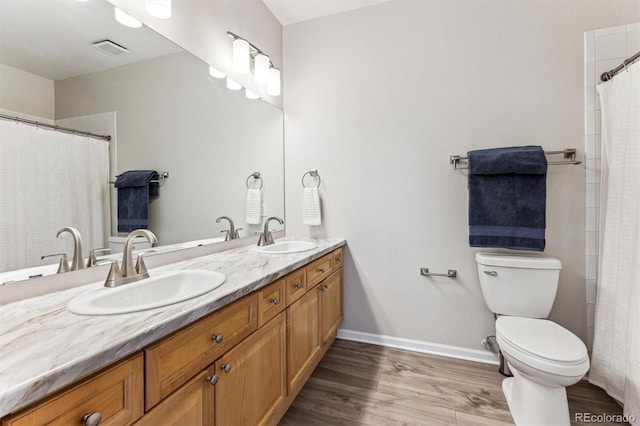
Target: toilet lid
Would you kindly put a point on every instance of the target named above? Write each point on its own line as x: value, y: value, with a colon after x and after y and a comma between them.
x: 542, y: 338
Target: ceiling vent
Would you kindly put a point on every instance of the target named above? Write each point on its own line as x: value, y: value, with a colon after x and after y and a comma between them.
x: 110, y: 48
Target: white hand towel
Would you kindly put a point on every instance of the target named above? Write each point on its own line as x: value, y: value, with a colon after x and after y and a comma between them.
x: 254, y: 206
x: 311, y: 207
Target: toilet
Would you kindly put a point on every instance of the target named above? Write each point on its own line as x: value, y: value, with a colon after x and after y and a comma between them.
x: 544, y: 357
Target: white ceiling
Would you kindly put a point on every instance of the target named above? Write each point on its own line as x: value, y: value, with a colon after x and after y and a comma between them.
x: 53, y: 38
x: 293, y: 11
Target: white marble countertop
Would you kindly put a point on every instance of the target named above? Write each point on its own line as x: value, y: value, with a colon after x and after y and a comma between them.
x: 44, y: 347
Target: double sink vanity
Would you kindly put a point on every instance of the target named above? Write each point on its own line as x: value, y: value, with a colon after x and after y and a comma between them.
x: 236, y: 353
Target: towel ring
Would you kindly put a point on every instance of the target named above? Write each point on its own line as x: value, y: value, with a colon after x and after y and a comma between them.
x: 255, y: 175
x: 312, y: 173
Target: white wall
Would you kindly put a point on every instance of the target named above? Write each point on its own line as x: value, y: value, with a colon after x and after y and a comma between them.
x: 378, y: 98
x: 26, y: 93
x: 200, y: 27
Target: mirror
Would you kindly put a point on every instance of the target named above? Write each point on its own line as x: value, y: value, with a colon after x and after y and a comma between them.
x: 163, y: 110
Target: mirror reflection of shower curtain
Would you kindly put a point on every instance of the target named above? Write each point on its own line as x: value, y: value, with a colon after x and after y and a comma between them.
x: 49, y: 180
x: 615, y: 360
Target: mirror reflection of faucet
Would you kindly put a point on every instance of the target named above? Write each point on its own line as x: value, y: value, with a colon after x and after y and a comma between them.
x: 63, y: 266
x: 266, y: 239
x: 78, y: 261
x: 129, y: 272
x: 232, y: 232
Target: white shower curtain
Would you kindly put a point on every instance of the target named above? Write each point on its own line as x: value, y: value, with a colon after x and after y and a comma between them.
x: 615, y: 360
x: 49, y: 180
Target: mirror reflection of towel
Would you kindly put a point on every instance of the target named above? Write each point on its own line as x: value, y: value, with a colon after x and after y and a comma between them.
x: 254, y: 206
x: 507, y: 198
x: 134, y: 189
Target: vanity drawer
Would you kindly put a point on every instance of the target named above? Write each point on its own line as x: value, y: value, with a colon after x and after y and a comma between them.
x: 271, y: 301
x: 337, y: 258
x: 295, y: 285
x: 176, y: 359
x: 116, y: 393
x: 319, y: 269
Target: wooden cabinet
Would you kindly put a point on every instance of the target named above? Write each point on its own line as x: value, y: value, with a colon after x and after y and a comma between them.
x: 176, y: 359
x: 271, y: 301
x: 192, y: 404
x: 295, y: 285
x: 251, y: 385
x: 115, y: 394
x: 319, y: 269
x: 330, y: 305
x: 337, y: 259
x: 303, y: 338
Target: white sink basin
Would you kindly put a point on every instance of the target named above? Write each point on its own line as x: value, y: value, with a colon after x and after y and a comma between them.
x: 160, y: 290
x: 284, y: 247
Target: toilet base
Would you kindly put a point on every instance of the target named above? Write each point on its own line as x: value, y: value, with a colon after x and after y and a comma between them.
x: 533, y: 404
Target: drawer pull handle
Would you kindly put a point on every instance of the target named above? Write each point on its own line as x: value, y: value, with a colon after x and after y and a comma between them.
x: 92, y: 419
x: 321, y: 270
x: 298, y: 286
x: 217, y: 338
x: 226, y: 367
x: 275, y: 301
x: 324, y: 287
x: 338, y: 258
x: 212, y: 379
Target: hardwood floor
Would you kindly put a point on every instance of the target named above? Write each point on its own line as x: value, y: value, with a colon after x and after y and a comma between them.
x: 362, y: 384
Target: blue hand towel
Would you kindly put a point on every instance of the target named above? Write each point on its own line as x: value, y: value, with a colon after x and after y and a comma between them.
x: 507, y: 198
x: 134, y: 189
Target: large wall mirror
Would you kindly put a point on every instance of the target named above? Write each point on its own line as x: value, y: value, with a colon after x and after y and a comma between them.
x: 161, y: 107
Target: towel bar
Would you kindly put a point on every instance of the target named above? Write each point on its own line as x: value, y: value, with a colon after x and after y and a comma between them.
x: 451, y: 273
x: 163, y: 176
x: 569, y: 154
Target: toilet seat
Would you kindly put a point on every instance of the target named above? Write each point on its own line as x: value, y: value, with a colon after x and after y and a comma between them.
x: 543, y: 345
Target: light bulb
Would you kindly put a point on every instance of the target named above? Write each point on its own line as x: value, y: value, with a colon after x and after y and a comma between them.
x: 213, y: 72
x: 233, y: 85
x: 273, y: 85
x: 241, y: 57
x: 126, y: 19
x: 160, y: 9
x: 250, y: 95
x: 261, y: 68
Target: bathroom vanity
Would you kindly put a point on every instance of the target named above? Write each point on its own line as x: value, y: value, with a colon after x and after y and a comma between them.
x: 237, y: 355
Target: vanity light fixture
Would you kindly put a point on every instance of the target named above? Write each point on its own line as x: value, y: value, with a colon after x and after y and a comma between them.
x: 160, y: 9
x: 233, y: 85
x: 250, y: 95
x: 265, y: 73
x: 126, y: 19
x: 214, y: 72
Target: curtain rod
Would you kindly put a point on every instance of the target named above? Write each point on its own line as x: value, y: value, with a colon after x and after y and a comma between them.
x: 54, y: 127
x: 606, y: 76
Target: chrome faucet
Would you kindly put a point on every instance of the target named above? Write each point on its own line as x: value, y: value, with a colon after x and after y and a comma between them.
x: 232, y: 233
x: 266, y: 239
x: 130, y: 273
x: 78, y: 260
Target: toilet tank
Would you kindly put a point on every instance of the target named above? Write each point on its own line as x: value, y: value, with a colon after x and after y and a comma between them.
x: 523, y: 286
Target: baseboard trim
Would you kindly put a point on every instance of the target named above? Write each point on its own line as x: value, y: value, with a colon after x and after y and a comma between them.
x: 457, y: 352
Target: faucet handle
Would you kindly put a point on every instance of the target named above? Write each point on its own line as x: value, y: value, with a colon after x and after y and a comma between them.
x: 226, y: 236
x: 141, y: 268
x: 92, y: 255
x: 236, y: 233
x: 115, y: 276
x: 63, y: 266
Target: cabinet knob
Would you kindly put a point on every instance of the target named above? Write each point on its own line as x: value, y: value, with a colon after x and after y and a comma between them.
x: 298, y: 286
x: 217, y: 338
x: 321, y: 270
x: 212, y: 379
x: 338, y: 258
x: 92, y: 419
x: 226, y: 367
x: 275, y: 301
x: 324, y: 287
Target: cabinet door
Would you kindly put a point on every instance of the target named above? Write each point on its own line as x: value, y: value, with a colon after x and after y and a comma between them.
x: 270, y: 301
x: 190, y: 405
x: 330, y: 305
x: 251, y: 386
x: 303, y: 337
x: 115, y: 395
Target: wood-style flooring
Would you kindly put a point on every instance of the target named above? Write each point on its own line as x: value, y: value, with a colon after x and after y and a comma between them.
x: 362, y: 384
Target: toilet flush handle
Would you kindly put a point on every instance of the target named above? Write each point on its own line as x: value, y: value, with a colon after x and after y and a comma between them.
x: 492, y: 273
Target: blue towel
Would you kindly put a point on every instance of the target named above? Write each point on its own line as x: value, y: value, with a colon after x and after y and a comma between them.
x: 507, y: 198
x: 134, y: 189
